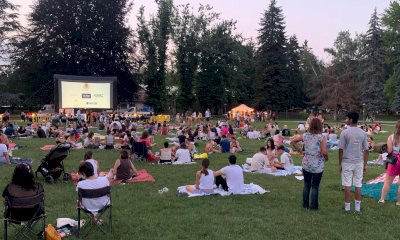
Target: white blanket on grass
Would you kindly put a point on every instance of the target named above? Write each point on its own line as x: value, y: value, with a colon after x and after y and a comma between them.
x: 296, y: 169
x: 182, y: 163
x: 248, y: 189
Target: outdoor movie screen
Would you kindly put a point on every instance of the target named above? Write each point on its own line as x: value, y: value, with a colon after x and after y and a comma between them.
x: 86, y: 95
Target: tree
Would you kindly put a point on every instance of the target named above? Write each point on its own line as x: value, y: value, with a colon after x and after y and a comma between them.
x: 294, y: 74
x: 311, y: 68
x: 273, y: 87
x: 189, y: 29
x: 373, y: 73
x: 74, y: 37
x: 337, y: 91
x: 153, y: 37
x: 8, y: 23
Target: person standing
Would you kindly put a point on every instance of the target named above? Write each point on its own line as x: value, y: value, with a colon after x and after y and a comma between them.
x: 393, y: 170
x: 353, y: 157
x: 207, y: 115
x: 315, y: 156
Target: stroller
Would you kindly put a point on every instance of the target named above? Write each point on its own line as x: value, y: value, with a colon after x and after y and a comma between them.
x: 52, y: 166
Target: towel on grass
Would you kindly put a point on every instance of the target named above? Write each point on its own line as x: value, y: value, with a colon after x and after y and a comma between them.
x: 182, y: 163
x: 374, y: 191
x: 296, y: 169
x: 248, y: 189
x: 381, y: 179
x: 143, y: 176
x: 17, y: 160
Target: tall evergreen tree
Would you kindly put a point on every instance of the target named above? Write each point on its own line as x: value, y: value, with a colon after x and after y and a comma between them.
x: 294, y: 74
x: 8, y: 23
x: 154, y: 36
x: 272, y: 91
x: 373, y: 73
x: 74, y: 37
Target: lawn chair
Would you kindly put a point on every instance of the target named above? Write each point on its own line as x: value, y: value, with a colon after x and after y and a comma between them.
x: 91, y: 194
x: 140, y: 150
x: 23, y: 214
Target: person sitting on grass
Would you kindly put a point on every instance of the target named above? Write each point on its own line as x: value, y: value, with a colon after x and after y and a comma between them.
x: 123, y: 168
x: 225, y: 144
x: 233, y: 181
x: 92, y: 182
x: 166, y: 154
x: 235, y: 146
x: 88, y: 157
x: 182, y: 155
x: 259, y: 160
x: 204, y: 180
x: 211, y: 147
x: 286, y: 161
x: 89, y: 141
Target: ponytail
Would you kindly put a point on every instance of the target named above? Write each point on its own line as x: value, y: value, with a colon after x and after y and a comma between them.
x: 205, y: 163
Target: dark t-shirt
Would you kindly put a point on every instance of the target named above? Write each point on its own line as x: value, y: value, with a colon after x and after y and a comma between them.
x: 181, y: 138
x: 9, y: 131
x: 41, y: 133
x: 285, y: 132
x: 225, y: 145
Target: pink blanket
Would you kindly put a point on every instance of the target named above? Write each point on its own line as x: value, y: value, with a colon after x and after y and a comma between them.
x: 143, y: 176
x: 381, y: 178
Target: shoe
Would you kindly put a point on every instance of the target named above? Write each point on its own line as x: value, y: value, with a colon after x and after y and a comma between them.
x: 381, y: 201
x: 398, y: 204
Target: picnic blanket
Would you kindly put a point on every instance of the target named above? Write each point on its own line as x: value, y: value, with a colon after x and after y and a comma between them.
x: 248, y: 189
x: 17, y: 160
x: 296, y: 169
x: 143, y: 176
x: 373, y: 188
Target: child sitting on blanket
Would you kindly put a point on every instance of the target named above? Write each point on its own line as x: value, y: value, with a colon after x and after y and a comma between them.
x: 123, y: 168
x: 204, y: 180
x: 285, y: 160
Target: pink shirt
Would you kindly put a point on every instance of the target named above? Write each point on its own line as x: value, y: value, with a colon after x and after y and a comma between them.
x: 224, y: 131
x: 146, y: 140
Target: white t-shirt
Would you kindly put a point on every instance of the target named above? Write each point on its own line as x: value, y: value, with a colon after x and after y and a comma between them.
x: 301, y: 127
x: 3, y: 149
x: 332, y: 137
x: 287, y: 160
x: 183, y: 156
x: 94, y: 204
x: 258, y: 161
x: 207, y: 182
x: 234, y: 178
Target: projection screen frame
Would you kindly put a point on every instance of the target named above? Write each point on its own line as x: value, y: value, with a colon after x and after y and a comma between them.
x: 58, y: 78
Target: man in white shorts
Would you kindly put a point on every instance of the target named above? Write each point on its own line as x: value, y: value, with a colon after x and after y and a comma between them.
x: 353, y: 157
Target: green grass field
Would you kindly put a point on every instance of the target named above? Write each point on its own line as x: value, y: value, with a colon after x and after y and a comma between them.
x: 140, y: 212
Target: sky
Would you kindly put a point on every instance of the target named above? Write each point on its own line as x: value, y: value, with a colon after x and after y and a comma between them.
x: 317, y: 21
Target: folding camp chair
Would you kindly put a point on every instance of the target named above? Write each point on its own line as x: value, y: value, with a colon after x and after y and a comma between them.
x: 140, y: 150
x: 23, y: 214
x: 91, y: 194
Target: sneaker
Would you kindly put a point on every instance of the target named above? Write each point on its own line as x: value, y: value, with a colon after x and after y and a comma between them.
x: 381, y: 201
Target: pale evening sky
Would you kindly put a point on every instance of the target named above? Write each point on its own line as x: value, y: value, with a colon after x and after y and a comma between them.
x: 317, y: 21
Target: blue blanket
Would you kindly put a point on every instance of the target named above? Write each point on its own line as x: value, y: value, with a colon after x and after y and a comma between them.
x: 374, y: 191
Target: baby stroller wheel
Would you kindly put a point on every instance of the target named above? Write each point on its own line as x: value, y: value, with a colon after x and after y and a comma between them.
x: 67, y: 177
x: 49, y: 179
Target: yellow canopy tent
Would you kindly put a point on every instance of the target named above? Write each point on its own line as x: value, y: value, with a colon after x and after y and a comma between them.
x: 242, y: 109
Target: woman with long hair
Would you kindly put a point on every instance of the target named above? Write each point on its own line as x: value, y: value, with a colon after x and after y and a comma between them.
x: 204, y: 180
x: 22, y: 185
x: 393, y: 170
x: 315, y: 156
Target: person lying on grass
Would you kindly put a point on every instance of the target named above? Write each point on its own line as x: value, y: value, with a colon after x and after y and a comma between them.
x: 211, y: 147
x: 123, y: 168
x: 204, y: 180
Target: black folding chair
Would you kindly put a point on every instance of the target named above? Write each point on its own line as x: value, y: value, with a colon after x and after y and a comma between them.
x: 92, y: 194
x: 140, y: 150
x: 23, y: 214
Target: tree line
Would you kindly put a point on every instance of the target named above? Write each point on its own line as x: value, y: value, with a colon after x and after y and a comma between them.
x: 188, y: 58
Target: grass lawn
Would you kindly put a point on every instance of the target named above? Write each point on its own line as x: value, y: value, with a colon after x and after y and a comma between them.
x: 140, y: 212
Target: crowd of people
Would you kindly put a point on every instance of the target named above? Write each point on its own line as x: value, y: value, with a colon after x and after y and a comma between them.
x: 312, y: 140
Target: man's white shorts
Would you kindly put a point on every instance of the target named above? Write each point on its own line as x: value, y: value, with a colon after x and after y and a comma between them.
x: 352, y: 174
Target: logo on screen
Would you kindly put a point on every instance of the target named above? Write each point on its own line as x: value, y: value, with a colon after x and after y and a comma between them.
x: 86, y: 95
